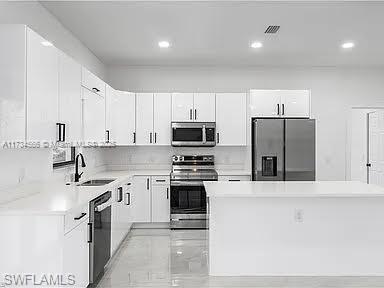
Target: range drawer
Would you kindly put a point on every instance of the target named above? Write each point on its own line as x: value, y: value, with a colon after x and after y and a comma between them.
x: 75, y: 217
x: 160, y: 180
x: 234, y: 178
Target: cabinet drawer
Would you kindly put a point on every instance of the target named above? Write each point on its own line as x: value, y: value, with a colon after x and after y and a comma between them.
x: 92, y: 82
x: 235, y: 178
x: 75, y: 217
x: 160, y: 180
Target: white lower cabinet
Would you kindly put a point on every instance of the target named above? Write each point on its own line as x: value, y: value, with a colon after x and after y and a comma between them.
x: 160, y: 199
x: 76, y: 254
x: 150, y: 199
x: 141, y: 199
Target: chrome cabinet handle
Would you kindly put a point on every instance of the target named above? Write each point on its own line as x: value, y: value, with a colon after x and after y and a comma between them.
x: 195, y: 114
x: 278, y: 109
x: 150, y: 137
x: 283, y: 108
x: 128, y: 199
x: 95, y: 89
x: 190, y: 114
x: 147, y: 183
x: 218, y: 137
x: 107, y: 131
x: 167, y: 193
x: 134, y: 137
x: 155, y: 137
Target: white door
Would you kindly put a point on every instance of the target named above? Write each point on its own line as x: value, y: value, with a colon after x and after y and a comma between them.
x: 231, y: 119
x: 122, y: 118
x: 160, y: 203
x: 182, y: 107
x: 265, y: 103
x: 141, y: 199
x: 76, y: 254
x: 144, y: 119
x: 295, y: 103
x: 70, y: 97
x: 162, y: 118
x: 204, y: 107
x: 42, y: 89
x: 376, y: 150
x: 93, y: 117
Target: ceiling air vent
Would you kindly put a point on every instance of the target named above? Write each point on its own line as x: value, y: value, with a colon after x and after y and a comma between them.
x: 272, y: 29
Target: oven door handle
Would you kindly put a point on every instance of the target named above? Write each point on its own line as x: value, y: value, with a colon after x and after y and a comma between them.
x: 187, y: 183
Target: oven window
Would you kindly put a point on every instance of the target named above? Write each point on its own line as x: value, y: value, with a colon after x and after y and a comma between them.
x: 187, y: 134
x: 188, y: 200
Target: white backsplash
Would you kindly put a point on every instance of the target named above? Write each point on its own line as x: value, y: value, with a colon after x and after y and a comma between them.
x: 159, y: 157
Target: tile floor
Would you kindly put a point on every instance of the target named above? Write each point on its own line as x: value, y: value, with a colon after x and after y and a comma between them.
x: 163, y: 258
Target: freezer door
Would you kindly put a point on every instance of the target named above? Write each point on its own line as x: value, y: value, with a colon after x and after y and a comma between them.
x: 300, y: 150
x: 267, y: 149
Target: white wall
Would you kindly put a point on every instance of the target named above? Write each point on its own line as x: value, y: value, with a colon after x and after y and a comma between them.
x: 334, y: 91
x: 34, y: 15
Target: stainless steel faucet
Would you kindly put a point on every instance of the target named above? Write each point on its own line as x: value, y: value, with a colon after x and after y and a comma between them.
x: 77, y: 175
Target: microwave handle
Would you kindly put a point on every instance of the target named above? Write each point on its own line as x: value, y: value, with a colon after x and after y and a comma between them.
x: 204, y: 134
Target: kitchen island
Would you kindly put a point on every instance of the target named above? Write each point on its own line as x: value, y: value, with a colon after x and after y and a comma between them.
x: 296, y: 228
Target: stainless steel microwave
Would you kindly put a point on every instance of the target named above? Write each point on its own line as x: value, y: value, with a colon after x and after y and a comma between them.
x: 193, y: 134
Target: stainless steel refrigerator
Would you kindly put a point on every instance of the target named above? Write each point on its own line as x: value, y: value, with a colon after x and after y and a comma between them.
x: 283, y: 149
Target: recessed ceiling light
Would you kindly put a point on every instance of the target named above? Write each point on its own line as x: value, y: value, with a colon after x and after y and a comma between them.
x: 164, y: 44
x: 46, y: 43
x: 257, y: 45
x: 348, y: 45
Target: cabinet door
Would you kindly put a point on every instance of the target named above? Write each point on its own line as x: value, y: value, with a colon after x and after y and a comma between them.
x: 141, y: 199
x: 92, y: 82
x: 126, y: 215
x: 93, y: 117
x: 115, y: 239
x: 160, y: 203
x: 204, y: 107
x: 109, y: 96
x: 122, y: 118
x: 70, y: 97
x: 76, y: 254
x: 182, y: 107
x: 162, y: 118
x: 295, y: 103
x: 231, y: 119
x: 42, y: 89
x: 265, y: 103
x: 144, y: 119
x: 12, y: 79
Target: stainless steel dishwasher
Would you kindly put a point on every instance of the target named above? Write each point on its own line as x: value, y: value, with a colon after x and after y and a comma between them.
x: 99, y: 235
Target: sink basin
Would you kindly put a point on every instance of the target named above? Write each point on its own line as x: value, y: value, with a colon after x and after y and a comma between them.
x: 96, y: 182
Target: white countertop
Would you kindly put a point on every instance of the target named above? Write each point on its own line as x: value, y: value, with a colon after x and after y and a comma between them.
x: 248, y: 189
x: 238, y: 172
x: 56, y: 198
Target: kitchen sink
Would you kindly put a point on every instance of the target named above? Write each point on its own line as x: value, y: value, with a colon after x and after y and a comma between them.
x: 96, y: 182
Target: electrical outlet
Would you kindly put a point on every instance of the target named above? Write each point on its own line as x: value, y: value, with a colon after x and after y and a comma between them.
x: 299, y: 215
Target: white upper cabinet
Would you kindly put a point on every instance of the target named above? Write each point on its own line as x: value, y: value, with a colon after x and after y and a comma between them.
x: 93, y: 117
x: 42, y: 88
x: 265, y: 103
x: 162, y: 118
x: 69, y: 99
x: 144, y: 119
x: 121, y: 123
x: 295, y: 103
x: 182, y: 107
x: 204, y: 107
x: 280, y: 103
x: 193, y: 107
x: 231, y: 119
x: 92, y: 82
x: 13, y: 82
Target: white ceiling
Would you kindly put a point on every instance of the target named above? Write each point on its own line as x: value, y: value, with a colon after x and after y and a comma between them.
x: 220, y: 33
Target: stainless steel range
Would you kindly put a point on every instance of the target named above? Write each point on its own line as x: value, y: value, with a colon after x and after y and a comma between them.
x: 188, y: 196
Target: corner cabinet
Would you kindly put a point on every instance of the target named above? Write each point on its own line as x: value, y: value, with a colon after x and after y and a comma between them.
x: 280, y: 103
x: 231, y: 119
x: 193, y: 107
